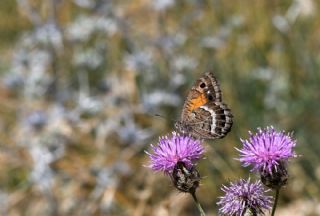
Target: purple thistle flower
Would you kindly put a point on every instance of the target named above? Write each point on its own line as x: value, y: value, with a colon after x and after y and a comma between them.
x: 171, y: 150
x: 243, y: 196
x: 267, y: 150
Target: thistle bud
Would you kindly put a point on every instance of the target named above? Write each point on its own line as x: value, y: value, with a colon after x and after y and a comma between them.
x: 185, y: 179
x: 277, y: 178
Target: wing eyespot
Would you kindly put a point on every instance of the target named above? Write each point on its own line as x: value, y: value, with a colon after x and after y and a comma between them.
x: 210, y: 97
x: 202, y: 85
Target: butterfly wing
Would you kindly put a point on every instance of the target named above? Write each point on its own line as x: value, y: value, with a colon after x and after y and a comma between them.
x: 204, y: 90
x: 204, y: 115
x: 210, y: 121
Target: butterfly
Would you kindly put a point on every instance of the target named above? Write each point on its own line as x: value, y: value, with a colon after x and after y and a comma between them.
x: 204, y: 115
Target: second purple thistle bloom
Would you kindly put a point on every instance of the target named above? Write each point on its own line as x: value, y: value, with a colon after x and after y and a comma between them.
x: 267, y: 149
x: 244, y: 197
x: 171, y: 150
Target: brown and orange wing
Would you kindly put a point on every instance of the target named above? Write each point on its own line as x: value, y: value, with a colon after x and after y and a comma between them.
x: 206, y: 89
x: 210, y: 121
x: 204, y: 115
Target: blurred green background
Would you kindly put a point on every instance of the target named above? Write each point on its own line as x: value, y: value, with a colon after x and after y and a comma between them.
x: 82, y: 80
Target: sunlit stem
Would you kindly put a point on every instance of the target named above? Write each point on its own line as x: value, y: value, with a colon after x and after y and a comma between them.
x: 275, y: 201
x: 202, y: 213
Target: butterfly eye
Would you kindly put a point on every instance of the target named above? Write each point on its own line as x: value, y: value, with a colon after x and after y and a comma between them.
x: 202, y: 85
x: 210, y: 97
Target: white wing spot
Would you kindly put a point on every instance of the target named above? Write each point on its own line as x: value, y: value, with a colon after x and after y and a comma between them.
x: 213, y: 116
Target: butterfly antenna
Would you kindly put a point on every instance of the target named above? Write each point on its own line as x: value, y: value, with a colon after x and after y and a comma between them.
x: 158, y: 115
x: 163, y: 117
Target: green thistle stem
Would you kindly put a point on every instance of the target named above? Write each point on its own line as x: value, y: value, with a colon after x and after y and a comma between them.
x: 202, y: 213
x: 275, y: 201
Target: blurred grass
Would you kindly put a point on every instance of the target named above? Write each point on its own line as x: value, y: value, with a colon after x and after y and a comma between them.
x: 11, y: 24
x: 265, y: 54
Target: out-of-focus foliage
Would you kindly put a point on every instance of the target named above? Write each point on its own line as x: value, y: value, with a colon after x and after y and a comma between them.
x: 81, y: 81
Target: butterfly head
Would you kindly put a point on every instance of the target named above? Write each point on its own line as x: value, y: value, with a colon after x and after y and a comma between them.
x: 178, y: 125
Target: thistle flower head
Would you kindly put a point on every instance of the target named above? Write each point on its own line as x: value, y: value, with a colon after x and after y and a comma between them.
x: 267, y: 149
x: 242, y: 197
x: 171, y: 150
